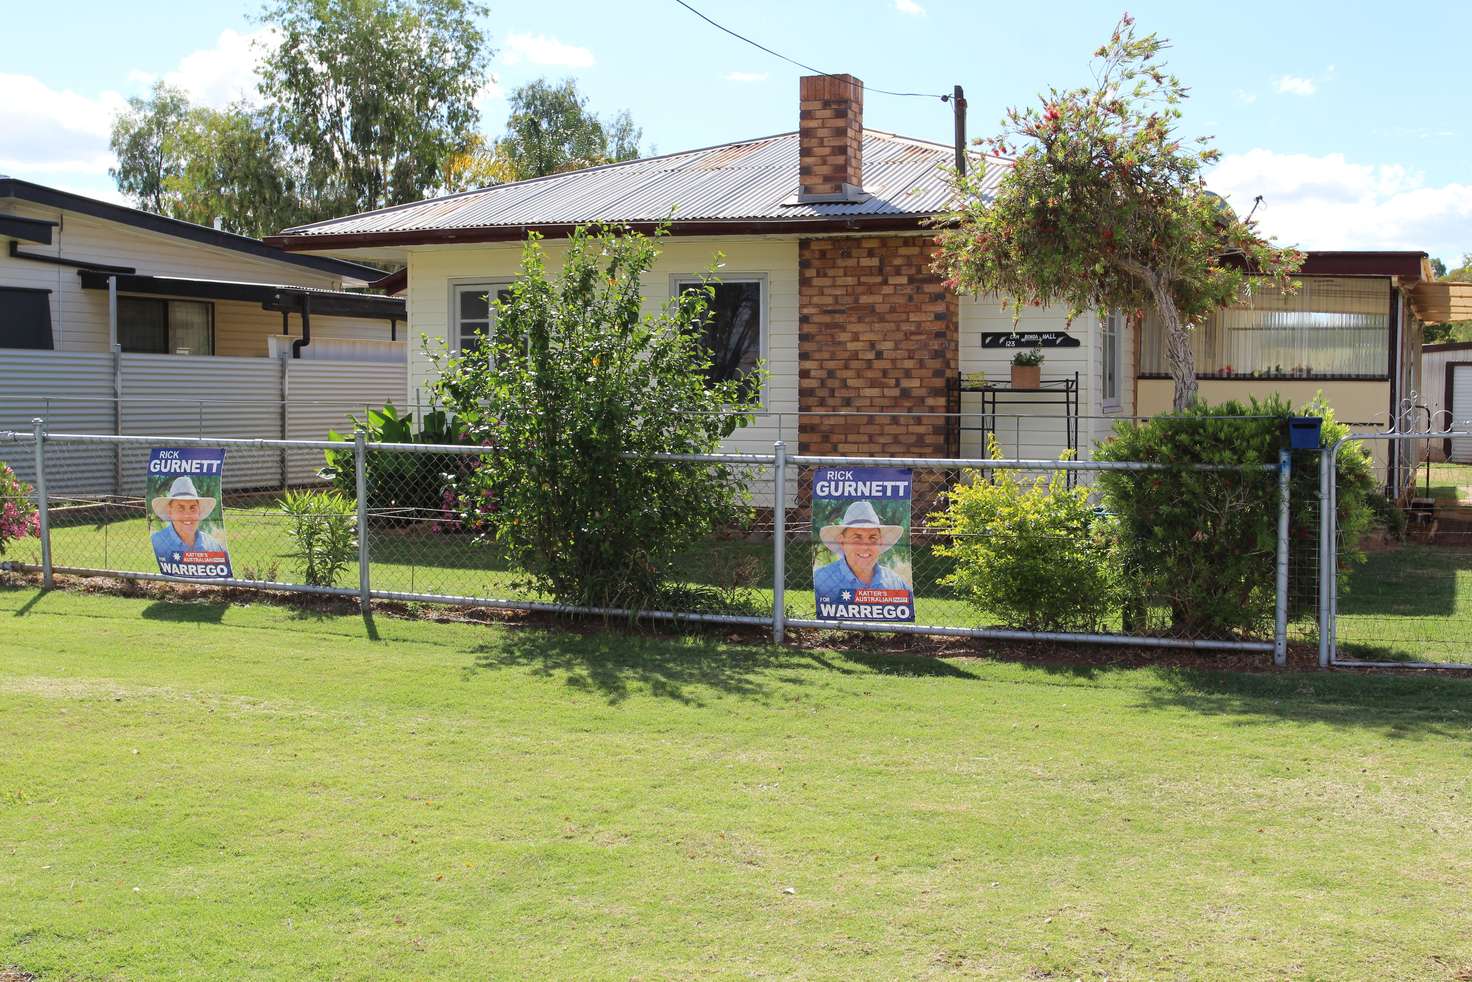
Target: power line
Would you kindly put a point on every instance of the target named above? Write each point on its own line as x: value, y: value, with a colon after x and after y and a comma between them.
x: 793, y: 61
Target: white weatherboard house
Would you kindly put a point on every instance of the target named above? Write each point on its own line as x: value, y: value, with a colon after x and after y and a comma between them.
x: 827, y: 244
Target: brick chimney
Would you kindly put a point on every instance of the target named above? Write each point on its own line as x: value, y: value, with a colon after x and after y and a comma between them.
x: 830, y: 139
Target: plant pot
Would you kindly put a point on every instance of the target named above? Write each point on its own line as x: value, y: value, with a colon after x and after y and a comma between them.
x: 1027, y: 376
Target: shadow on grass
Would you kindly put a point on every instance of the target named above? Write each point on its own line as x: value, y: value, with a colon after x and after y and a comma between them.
x: 194, y: 612
x: 1411, y: 581
x: 617, y: 666
x: 1399, y: 707
x: 30, y: 604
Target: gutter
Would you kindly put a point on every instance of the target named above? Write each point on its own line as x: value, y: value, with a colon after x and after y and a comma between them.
x: 562, y: 230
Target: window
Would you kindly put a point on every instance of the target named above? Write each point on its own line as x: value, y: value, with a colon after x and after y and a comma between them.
x: 25, y: 318
x: 733, y: 326
x: 473, y: 312
x: 1109, y: 360
x: 1334, y: 327
x: 163, y: 327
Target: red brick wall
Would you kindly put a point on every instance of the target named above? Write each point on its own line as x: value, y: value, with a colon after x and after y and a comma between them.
x: 830, y: 133
x: 877, y: 332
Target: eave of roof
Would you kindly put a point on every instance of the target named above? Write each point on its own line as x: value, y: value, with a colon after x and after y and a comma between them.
x: 13, y: 187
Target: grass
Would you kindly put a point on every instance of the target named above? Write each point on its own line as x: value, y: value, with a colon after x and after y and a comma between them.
x: 211, y: 791
x: 1410, y: 602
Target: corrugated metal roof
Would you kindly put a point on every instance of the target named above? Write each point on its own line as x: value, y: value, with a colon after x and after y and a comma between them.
x: 755, y: 180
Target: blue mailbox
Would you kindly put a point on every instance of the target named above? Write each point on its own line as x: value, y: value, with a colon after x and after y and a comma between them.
x: 1303, y: 432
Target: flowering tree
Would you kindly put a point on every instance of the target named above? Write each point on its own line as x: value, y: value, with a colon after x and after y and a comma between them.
x: 1105, y: 208
x: 18, y: 517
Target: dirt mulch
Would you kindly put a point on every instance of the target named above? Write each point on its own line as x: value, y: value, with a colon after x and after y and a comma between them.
x: 1301, y: 657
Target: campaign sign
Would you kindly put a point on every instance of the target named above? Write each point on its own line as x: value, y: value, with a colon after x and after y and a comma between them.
x: 184, y: 495
x: 861, y: 547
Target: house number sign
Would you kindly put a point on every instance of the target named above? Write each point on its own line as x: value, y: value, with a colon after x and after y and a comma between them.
x: 1028, y: 339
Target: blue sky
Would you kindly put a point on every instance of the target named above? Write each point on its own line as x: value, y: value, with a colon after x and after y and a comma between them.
x: 1343, y: 115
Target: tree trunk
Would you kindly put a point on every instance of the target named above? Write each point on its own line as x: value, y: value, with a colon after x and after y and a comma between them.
x: 1177, y: 346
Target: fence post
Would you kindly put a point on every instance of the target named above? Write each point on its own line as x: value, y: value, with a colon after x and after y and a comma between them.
x: 1327, y: 581
x: 43, y: 504
x: 779, y: 540
x: 1280, y: 618
x: 360, y: 466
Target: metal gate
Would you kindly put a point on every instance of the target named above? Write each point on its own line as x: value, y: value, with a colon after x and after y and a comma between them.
x: 1399, y: 594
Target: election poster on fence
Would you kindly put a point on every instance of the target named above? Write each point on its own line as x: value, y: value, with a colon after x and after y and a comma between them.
x: 184, y: 495
x: 861, y: 548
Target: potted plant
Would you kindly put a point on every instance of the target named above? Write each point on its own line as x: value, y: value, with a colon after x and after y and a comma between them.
x: 1027, y: 369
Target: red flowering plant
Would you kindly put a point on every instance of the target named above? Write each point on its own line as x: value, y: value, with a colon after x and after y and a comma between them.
x: 1102, y: 206
x: 18, y: 517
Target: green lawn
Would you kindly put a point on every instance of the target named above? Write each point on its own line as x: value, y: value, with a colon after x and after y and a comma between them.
x: 1410, y: 602
x: 207, y: 791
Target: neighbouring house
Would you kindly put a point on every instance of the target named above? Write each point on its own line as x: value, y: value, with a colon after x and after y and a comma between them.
x: 117, y: 321
x: 827, y: 250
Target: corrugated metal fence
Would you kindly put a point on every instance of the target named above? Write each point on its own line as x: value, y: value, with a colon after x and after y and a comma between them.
x: 133, y: 394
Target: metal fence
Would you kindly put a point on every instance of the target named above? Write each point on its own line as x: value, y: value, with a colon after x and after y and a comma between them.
x: 414, y: 546
x: 1401, y: 596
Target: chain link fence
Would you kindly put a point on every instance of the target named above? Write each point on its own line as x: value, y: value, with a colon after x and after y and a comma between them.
x: 414, y: 541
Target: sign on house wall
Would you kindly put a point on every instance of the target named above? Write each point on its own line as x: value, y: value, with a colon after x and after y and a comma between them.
x: 184, y: 495
x: 861, y: 555
x: 1028, y: 339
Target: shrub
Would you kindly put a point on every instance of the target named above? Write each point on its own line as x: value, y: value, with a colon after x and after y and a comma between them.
x: 405, y: 482
x: 1203, y: 544
x: 1031, y: 552
x: 323, y: 526
x: 18, y: 517
x: 577, y: 391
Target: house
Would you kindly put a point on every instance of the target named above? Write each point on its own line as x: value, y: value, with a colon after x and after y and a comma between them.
x: 117, y: 321
x: 826, y: 243
x: 83, y: 275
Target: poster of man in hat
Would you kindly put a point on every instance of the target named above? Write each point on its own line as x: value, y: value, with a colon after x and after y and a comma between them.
x: 861, y: 521
x: 184, y: 495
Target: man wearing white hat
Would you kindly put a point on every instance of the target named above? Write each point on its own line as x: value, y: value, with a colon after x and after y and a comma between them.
x: 858, y: 541
x: 182, y: 509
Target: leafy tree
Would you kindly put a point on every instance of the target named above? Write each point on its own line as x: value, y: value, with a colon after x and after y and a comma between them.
x: 374, y: 94
x: 1105, y: 208
x: 551, y: 130
x: 224, y: 168
x: 476, y: 164
x: 574, y: 395
x: 236, y: 173
x: 143, y: 140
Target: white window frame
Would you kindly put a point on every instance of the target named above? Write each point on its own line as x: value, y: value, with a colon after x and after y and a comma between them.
x: 459, y: 285
x: 1112, y: 324
x: 763, y: 327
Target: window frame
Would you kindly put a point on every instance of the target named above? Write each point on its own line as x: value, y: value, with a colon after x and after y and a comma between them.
x: 457, y: 285
x: 168, y: 324
x: 764, y: 320
x: 1115, y: 320
x: 50, y: 327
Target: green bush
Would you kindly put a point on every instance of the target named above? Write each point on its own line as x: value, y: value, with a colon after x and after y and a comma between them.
x: 400, y: 482
x: 323, y: 526
x: 1031, y: 552
x: 1202, y: 545
x: 577, y: 390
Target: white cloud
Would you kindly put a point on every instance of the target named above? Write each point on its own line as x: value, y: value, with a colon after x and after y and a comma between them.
x: 46, y: 130
x: 1245, y: 97
x: 538, y: 49
x: 746, y: 76
x: 1296, y: 85
x: 225, y: 73
x: 909, y: 7
x: 1328, y: 202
